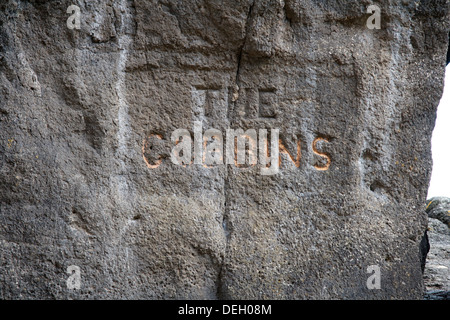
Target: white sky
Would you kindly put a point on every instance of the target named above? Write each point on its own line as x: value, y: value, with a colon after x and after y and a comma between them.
x: 440, y: 145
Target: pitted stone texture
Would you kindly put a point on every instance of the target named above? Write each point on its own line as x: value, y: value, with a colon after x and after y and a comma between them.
x: 84, y: 114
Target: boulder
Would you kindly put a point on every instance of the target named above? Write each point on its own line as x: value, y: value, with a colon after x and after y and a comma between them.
x: 101, y: 196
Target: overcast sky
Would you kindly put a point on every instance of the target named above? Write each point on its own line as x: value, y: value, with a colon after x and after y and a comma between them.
x: 440, y: 178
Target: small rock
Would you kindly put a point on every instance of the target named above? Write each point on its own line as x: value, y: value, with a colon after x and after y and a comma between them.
x: 439, y: 208
x: 437, y: 267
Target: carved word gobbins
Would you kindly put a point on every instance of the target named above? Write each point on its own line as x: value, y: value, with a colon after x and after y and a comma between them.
x: 208, y: 149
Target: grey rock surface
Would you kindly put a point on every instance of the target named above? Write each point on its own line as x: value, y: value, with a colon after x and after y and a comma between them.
x: 437, y: 268
x: 439, y: 208
x: 86, y: 117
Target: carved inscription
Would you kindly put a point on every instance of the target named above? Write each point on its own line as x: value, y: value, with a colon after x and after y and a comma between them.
x: 326, y: 166
x: 147, y: 147
x: 237, y: 147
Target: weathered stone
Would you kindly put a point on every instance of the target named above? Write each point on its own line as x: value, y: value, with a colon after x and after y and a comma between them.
x: 439, y: 208
x: 86, y: 118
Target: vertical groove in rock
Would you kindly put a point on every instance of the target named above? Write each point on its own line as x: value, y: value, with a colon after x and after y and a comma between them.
x: 227, y: 228
x: 241, y: 49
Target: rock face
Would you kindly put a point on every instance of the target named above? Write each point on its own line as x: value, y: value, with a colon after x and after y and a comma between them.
x: 86, y: 121
x: 437, y: 268
x: 439, y: 208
